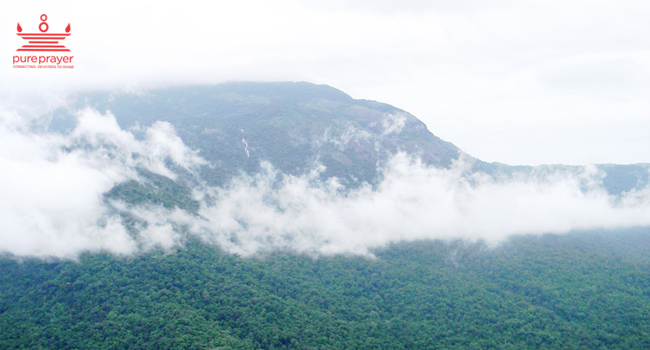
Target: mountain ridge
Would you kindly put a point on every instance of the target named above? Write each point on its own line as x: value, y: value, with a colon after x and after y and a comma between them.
x: 277, y: 120
x: 300, y: 228
x: 296, y: 125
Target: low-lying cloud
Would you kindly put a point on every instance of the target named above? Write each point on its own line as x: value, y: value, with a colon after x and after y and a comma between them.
x: 52, y: 199
x: 52, y: 186
x: 413, y: 202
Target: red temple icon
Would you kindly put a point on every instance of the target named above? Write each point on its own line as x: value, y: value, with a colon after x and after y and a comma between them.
x: 43, y: 41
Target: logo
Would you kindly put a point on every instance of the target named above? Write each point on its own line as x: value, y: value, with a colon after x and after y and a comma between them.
x: 43, y: 42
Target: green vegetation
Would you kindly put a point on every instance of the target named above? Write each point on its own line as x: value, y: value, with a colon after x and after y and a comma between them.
x: 291, y: 125
x: 577, y: 291
x: 294, y: 125
x: 156, y: 190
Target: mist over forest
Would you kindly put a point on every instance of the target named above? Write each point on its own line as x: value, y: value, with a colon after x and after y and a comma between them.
x: 252, y: 167
x: 290, y: 215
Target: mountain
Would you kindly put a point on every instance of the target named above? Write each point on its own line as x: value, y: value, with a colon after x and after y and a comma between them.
x: 296, y: 125
x: 291, y: 125
x: 235, y: 235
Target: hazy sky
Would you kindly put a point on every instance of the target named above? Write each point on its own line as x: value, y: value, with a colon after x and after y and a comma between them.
x: 519, y: 82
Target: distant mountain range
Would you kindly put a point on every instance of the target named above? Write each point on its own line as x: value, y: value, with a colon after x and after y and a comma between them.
x: 297, y: 125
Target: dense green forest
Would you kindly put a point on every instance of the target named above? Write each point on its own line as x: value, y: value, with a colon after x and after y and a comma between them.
x: 588, y: 290
x: 581, y: 290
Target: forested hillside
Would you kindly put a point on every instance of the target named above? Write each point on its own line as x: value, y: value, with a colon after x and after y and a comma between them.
x: 295, y: 125
x: 292, y: 125
x: 292, y: 216
x: 588, y: 290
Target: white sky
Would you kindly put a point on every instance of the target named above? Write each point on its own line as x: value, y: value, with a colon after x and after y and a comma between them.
x: 519, y: 82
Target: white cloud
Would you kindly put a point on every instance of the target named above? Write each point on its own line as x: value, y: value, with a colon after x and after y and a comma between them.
x: 52, y: 186
x: 466, y: 68
x: 52, y: 203
x: 523, y: 82
x: 161, y: 142
x: 413, y: 202
x: 51, y: 199
x: 393, y: 123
